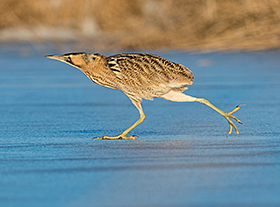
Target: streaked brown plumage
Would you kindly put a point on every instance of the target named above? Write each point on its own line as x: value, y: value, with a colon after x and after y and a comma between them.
x: 139, y: 76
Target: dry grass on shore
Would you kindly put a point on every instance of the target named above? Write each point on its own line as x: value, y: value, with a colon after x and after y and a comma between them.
x: 145, y: 24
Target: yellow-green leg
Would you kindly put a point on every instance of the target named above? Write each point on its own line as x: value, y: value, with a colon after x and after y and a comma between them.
x: 180, y: 97
x: 224, y: 114
x: 123, y: 135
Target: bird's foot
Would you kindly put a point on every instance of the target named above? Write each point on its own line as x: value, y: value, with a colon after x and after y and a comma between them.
x: 121, y: 136
x: 227, y: 115
x: 231, y: 124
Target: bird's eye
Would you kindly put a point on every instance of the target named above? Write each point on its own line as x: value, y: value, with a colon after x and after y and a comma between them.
x: 68, y: 59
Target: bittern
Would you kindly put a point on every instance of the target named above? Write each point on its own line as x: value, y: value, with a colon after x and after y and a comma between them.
x: 140, y: 76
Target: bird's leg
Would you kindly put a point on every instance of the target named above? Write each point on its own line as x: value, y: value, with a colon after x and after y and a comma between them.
x: 180, y: 97
x: 224, y: 114
x: 123, y: 135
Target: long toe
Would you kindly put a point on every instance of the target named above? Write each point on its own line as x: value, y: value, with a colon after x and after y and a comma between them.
x: 116, y: 137
x: 231, y: 124
x: 236, y: 109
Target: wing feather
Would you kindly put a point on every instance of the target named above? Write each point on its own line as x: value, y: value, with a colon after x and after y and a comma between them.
x: 149, y: 75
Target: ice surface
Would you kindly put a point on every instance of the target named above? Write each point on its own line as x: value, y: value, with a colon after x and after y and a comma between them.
x: 50, y: 111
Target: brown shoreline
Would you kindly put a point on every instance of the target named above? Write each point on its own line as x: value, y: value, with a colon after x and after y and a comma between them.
x: 140, y: 25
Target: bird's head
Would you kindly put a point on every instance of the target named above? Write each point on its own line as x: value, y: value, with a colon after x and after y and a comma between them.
x: 78, y: 60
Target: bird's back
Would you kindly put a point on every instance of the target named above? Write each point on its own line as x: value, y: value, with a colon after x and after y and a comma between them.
x: 147, y: 76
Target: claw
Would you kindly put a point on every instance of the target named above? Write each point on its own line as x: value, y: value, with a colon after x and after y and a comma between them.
x: 230, y: 130
x: 136, y: 136
x: 236, y: 119
x: 235, y: 109
x: 98, y: 138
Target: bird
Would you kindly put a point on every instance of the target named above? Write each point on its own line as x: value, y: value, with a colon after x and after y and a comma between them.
x: 140, y: 76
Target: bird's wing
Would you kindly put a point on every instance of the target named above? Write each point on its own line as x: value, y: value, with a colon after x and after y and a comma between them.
x: 146, y: 69
x: 149, y: 75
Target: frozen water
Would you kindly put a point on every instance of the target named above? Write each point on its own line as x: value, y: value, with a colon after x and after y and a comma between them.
x: 50, y: 111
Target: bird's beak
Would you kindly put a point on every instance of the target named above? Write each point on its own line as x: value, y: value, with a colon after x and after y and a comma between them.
x: 56, y: 57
